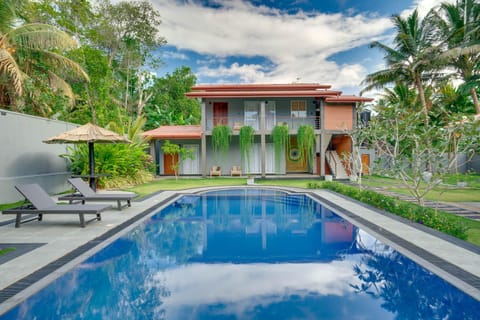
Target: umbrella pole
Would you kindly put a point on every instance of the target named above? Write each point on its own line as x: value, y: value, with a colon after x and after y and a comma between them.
x: 91, y: 155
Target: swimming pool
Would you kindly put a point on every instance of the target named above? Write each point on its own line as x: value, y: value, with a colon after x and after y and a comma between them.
x: 247, y: 254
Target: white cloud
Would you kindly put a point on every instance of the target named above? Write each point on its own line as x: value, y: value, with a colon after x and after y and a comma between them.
x: 297, y: 45
x: 424, y: 6
x: 174, y: 55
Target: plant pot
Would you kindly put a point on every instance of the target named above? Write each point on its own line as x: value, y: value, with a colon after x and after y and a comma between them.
x: 328, y: 177
x: 250, y: 181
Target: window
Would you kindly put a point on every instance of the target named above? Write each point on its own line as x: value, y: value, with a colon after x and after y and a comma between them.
x: 252, y: 109
x: 271, y: 114
x: 299, y: 109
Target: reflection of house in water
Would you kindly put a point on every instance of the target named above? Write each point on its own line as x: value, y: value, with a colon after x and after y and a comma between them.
x: 238, y: 229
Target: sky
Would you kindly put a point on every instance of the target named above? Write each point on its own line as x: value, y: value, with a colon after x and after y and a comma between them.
x: 279, y: 41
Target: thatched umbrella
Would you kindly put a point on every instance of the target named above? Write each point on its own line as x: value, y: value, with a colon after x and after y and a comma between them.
x: 89, y: 133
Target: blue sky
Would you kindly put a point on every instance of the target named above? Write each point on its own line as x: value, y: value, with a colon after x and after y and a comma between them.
x: 279, y: 41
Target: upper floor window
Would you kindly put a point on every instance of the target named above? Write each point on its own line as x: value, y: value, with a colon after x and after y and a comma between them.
x: 252, y: 112
x: 299, y: 109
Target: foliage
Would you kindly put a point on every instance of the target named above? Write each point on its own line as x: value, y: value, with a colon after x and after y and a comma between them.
x: 221, y: 136
x: 173, y: 150
x: 20, y: 50
x: 168, y: 104
x: 125, y: 164
x: 399, y: 136
x: 410, y: 60
x: 456, y: 28
x: 246, y: 135
x: 280, y: 142
x: 429, y: 217
x: 306, y: 143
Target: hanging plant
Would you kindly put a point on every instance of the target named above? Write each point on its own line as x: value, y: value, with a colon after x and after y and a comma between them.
x: 246, y: 141
x: 221, y: 139
x: 280, y: 142
x: 306, y: 143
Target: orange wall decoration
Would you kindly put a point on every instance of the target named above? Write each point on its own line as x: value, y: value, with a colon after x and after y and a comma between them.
x: 338, y: 117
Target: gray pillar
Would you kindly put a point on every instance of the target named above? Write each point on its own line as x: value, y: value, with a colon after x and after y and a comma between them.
x: 322, y: 154
x: 263, y: 144
x: 203, y: 146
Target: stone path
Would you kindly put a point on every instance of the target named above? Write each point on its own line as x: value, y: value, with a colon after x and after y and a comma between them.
x: 471, y: 211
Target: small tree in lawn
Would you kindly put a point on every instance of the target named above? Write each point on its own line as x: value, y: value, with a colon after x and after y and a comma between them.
x: 173, y: 150
x: 400, y: 137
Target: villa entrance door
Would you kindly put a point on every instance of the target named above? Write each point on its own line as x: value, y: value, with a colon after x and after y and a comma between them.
x: 168, y: 162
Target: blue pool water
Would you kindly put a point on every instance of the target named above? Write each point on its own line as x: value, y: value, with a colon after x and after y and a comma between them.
x: 247, y: 254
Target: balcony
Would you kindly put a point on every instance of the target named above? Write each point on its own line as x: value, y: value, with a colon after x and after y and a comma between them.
x: 237, y: 122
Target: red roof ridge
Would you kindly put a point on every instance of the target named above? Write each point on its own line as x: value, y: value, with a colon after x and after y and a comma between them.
x: 260, y: 87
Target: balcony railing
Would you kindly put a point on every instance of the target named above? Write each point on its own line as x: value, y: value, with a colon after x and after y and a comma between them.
x: 237, y: 122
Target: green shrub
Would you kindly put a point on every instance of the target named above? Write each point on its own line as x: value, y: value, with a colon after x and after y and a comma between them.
x: 429, y: 217
x: 125, y: 164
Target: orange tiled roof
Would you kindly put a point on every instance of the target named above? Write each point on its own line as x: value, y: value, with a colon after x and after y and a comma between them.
x: 175, y: 132
x: 348, y: 99
x: 291, y: 90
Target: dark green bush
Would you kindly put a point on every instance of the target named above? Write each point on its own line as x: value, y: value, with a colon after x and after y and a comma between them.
x: 124, y: 163
x: 429, y: 217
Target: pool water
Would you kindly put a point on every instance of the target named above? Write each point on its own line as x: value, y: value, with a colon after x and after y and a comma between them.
x: 247, y: 254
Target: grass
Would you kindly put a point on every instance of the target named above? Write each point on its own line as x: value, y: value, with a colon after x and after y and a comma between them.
x: 185, y: 183
x: 190, y: 183
x: 11, y: 205
x: 446, y: 192
x: 6, y: 250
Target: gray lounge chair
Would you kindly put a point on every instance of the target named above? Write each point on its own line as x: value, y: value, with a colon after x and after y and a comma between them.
x: 85, y: 193
x: 41, y: 204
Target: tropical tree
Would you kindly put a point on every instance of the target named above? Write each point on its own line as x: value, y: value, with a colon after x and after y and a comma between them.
x: 458, y: 28
x: 30, y: 50
x: 169, y: 105
x: 411, y: 58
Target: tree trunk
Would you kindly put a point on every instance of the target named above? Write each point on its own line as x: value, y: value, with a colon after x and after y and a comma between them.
x: 421, y: 93
x: 473, y: 93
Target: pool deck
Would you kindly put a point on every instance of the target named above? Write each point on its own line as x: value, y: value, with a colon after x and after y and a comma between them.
x: 64, y: 244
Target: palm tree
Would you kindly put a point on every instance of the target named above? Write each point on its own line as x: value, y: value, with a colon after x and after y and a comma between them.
x: 458, y: 25
x: 409, y: 60
x: 30, y: 49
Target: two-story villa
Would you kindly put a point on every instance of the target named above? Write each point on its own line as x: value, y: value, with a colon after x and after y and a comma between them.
x: 263, y: 106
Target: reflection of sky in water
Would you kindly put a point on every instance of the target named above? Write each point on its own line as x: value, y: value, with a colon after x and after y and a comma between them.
x: 209, y: 257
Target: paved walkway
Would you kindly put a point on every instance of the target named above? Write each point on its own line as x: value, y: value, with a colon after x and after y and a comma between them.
x: 65, y: 244
x: 469, y: 210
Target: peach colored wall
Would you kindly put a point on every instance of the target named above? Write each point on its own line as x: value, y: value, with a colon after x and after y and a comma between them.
x: 343, y: 144
x: 338, y: 117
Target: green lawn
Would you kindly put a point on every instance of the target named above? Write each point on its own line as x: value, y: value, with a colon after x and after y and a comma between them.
x: 445, y: 192
x: 6, y: 250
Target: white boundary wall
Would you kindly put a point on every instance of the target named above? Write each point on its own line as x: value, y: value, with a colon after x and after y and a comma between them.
x: 24, y: 158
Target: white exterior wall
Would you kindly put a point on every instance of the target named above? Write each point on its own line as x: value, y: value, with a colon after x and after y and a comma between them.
x: 26, y: 159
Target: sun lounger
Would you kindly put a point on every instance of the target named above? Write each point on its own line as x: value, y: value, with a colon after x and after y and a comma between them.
x: 85, y: 193
x: 41, y: 204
